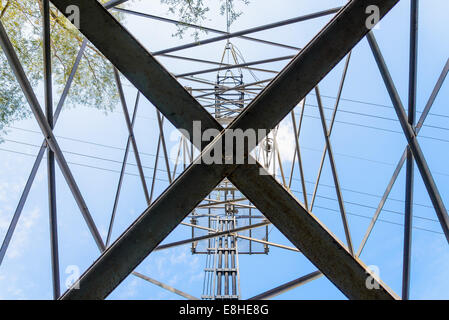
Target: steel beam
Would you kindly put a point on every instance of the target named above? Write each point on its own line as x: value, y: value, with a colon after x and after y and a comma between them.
x: 267, y: 243
x: 301, y: 227
x: 51, y: 174
x: 16, y: 67
x: 219, y: 63
x: 150, y: 16
x: 39, y: 157
x: 295, y: 154
x: 164, y: 146
x: 112, y: 3
x: 156, y: 163
x: 131, y: 135
x: 315, y: 275
x: 288, y: 286
x: 250, y: 239
x: 331, y: 126
x: 298, y: 153
x: 249, y: 31
x: 164, y: 286
x: 401, y: 162
x: 410, y: 135
x: 410, y: 167
x: 233, y: 66
x: 122, y: 172
x: 210, y: 236
x: 334, y: 171
x: 236, y: 88
x: 266, y: 111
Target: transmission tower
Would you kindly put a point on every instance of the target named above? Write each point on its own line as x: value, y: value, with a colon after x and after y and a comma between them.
x: 225, y: 224
x: 226, y: 209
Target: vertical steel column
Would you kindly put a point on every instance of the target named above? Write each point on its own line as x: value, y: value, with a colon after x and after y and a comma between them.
x: 131, y: 134
x: 250, y: 231
x: 39, y: 157
x: 226, y: 259
x: 122, y: 172
x: 164, y: 147
x: 25, y: 85
x: 298, y: 152
x: 331, y: 126
x: 301, y: 117
x: 334, y: 172
x: 411, y: 137
x: 53, y: 222
x: 233, y: 257
x: 342, y: 25
x: 399, y: 166
x: 410, y: 167
x: 156, y: 162
x: 220, y: 260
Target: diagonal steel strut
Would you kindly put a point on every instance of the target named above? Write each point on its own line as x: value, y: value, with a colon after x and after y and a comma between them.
x: 411, y: 137
x: 265, y: 112
x: 47, y: 131
x: 39, y: 157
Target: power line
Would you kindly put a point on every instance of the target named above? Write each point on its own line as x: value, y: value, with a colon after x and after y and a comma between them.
x: 366, y: 126
x: 164, y: 180
x: 380, y: 220
x: 152, y: 155
x: 84, y: 165
x: 340, y: 110
x: 377, y: 128
x: 303, y: 147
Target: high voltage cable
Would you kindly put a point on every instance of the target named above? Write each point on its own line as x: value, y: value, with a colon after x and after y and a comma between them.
x: 379, y: 219
x: 362, y: 114
x: 364, y: 126
x: 164, y: 180
x: 152, y: 155
x: 368, y: 104
x: 164, y: 171
x: 85, y: 165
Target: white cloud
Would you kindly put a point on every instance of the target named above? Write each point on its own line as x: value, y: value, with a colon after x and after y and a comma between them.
x: 10, y: 288
x: 8, y: 188
x: 131, y: 289
x: 21, y: 237
x: 178, y: 258
x: 286, y: 141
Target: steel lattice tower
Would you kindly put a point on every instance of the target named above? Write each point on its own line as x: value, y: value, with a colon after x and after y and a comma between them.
x: 214, y: 199
x: 222, y: 278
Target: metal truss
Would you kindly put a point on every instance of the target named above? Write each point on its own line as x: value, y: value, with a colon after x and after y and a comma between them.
x: 339, y: 262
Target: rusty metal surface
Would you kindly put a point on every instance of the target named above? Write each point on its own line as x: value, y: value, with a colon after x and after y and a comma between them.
x: 308, y: 234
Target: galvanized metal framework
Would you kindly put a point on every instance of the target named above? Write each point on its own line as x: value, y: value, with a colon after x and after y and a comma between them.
x: 339, y: 262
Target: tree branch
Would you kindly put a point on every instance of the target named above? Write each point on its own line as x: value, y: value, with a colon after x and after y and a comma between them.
x: 4, y: 9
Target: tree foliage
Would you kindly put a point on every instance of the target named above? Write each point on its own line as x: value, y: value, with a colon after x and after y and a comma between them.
x: 93, y: 84
x: 195, y: 12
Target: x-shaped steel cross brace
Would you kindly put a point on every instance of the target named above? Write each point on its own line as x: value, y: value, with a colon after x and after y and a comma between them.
x: 303, y: 73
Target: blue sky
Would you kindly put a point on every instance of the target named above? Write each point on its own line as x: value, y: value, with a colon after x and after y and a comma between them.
x: 365, y: 158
